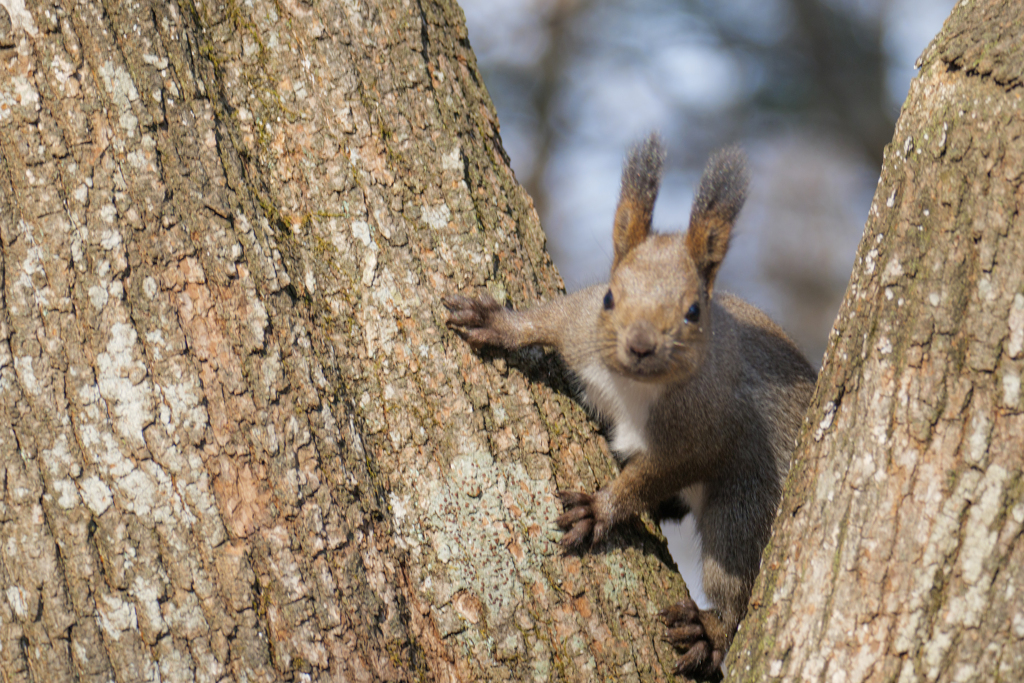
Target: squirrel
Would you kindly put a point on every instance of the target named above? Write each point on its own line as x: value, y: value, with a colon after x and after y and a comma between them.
x: 703, y: 393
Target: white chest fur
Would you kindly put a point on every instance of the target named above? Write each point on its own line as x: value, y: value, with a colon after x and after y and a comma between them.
x: 624, y: 403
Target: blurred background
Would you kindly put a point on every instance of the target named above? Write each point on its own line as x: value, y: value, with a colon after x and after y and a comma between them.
x: 810, y: 89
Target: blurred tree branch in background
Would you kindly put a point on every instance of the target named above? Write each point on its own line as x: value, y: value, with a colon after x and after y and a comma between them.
x: 816, y: 64
x: 830, y: 72
x: 552, y: 67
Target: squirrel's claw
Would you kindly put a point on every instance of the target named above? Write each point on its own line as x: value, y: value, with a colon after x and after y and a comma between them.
x: 682, y: 611
x: 687, y: 633
x: 573, y: 516
x: 574, y: 498
x: 465, y: 311
x: 576, y: 537
x: 684, y: 630
x: 579, y: 521
x: 700, y: 662
x: 473, y: 319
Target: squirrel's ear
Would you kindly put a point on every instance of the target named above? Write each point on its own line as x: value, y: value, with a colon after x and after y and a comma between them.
x: 640, y: 180
x: 723, y: 188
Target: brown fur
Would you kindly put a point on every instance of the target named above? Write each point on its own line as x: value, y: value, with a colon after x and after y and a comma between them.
x: 702, y: 406
x: 640, y: 180
x: 721, y: 194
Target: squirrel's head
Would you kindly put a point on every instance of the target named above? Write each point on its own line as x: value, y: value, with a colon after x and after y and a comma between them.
x: 655, y: 320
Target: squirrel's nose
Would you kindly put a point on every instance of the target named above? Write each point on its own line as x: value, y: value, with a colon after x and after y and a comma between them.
x: 641, y: 341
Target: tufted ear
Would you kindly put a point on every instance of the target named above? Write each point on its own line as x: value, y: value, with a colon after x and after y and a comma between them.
x: 640, y: 180
x: 723, y: 188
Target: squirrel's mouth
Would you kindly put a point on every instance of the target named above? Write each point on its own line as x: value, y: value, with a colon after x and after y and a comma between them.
x: 662, y: 364
x: 651, y: 368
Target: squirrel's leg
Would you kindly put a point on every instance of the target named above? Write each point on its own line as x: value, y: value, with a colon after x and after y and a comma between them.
x: 641, y: 486
x: 559, y: 323
x: 730, y: 554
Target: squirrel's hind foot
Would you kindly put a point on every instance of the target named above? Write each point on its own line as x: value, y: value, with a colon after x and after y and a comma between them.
x: 700, y: 660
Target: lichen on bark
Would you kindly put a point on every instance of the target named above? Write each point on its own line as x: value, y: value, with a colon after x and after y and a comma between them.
x: 239, y: 442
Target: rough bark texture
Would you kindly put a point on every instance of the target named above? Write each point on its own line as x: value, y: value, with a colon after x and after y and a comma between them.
x: 236, y: 441
x: 898, y: 552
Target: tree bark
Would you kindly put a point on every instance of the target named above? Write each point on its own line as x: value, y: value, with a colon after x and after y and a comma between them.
x: 236, y: 441
x: 898, y: 554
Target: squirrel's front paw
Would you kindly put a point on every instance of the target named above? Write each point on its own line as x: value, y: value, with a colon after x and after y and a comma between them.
x: 580, y: 520
x: 700, y: 660
x: 474, y: 319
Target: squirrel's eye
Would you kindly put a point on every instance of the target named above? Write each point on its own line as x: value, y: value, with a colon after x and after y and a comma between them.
x: 609, y: 301
x: 693, y: 315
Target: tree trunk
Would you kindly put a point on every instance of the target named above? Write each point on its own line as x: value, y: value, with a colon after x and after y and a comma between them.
x: 236, y: 441
x: 898, y: 553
